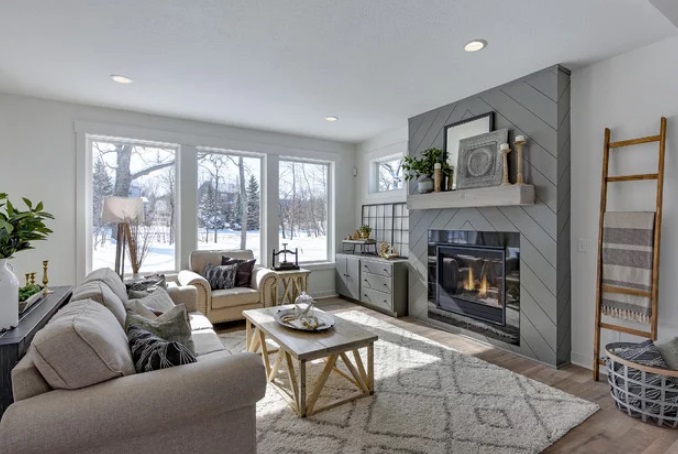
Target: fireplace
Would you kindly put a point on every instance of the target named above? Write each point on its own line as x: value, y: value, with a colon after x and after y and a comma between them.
x: 474, y: 281
x: 471, y: 282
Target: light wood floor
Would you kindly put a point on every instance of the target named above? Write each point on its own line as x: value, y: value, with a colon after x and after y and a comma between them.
x: 607, y: 431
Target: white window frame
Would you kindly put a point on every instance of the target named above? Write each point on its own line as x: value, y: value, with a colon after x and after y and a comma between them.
x: 263, y: 205
x: 330, y: 204
x: 271, y: 149
x: 85, y: 198
x: 374, y: 173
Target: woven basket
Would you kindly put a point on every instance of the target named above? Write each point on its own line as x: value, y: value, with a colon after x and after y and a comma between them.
x: 643, y: 392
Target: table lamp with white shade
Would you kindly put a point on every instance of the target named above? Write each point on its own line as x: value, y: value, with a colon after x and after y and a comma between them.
x: 123, y: 210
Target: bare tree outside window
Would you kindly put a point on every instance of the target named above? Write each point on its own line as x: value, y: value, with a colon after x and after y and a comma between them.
x: 131, y: 169
x: 229, y: 201
x: 389, y: 175
x: 303, y: 204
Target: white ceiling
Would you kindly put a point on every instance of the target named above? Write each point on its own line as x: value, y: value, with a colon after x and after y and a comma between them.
x: 284, y: 65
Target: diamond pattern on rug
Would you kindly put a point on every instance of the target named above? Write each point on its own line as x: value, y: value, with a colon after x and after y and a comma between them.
x: 428, y: 399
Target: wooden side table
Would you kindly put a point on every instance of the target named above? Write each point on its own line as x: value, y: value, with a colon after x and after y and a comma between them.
x: 14, y: 343
x: 293, y: 283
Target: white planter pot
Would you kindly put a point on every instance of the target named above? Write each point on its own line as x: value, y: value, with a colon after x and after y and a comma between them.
x: 9, y: 296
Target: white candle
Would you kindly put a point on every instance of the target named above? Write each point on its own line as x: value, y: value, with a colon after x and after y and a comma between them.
x: 437, y: 165
x: 504, y: 146
x: 520, y: 138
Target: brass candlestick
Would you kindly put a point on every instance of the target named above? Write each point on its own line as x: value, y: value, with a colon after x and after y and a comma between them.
x: 28, y: 279
x: 520, y: 141
x: 45, y: 280
x: 33, y: 278
x: 505, y: 151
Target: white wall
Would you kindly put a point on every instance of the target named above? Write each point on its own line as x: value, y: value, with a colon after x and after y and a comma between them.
x: 628, y: 94
x: 38, y: 160
x: 385, y: 144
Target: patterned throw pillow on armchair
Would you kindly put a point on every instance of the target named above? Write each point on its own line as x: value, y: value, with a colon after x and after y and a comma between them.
x: 221, y: 276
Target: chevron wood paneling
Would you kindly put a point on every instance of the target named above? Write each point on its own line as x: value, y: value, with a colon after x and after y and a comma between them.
x: 537, y: 106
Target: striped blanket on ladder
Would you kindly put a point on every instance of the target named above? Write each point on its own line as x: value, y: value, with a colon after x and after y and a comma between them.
x: 628, y: 239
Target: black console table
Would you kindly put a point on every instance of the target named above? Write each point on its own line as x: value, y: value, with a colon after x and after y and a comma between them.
x: 14, y: 343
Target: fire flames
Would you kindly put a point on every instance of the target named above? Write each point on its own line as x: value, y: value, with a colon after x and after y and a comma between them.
x: 482, y: 289
x: 470, y: 284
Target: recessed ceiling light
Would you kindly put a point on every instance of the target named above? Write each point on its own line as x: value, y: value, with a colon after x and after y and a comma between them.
x: 475, y: 45
x: 121, y: 79
x: 331, y: 118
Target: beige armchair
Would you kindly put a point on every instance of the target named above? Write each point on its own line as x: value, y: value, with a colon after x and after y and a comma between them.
x: 227, y: 305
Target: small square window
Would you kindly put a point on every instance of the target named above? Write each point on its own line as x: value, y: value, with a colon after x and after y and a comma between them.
x: 389, y: 174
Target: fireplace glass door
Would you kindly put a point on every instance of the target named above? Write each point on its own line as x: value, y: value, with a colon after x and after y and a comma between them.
x: 471, y: 282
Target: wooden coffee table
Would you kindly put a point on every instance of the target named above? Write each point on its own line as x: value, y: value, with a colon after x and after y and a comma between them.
x: 297, y: 348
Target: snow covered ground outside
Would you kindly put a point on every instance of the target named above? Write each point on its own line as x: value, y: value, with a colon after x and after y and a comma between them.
x: 161, y: 256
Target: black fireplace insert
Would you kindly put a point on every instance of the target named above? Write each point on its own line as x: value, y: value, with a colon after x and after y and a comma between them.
x: 474, y: 281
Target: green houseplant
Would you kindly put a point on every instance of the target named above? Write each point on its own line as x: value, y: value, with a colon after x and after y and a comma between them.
x: 365, y: 231
x: 18, y: 229
x: 422, y: 168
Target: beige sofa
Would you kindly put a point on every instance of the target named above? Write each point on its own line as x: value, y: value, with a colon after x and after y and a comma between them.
x: 227, y: 305
x: 207, y: 406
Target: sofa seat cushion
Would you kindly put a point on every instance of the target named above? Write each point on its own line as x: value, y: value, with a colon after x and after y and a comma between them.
x: 100, y: 292
x: 81, y: 346
x: 198, y: 321
x: 206, y: 341
x: 238, y: 296
x: 110, y: 278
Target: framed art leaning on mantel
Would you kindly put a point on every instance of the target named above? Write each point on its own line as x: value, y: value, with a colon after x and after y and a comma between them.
x: 454, y: 132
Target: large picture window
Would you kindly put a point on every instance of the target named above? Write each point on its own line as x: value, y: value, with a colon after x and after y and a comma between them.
x: 134, y: 169
x: 229, y: 201
x: 304, y: 207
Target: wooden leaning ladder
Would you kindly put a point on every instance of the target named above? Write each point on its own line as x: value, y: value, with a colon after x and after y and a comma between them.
x: 600, y: 288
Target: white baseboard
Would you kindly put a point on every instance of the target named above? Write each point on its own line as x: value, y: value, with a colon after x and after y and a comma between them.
x: 581, y: 359
x: 324, y: 295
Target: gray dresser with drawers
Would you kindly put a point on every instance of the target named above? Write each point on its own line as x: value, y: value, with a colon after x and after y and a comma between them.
x: 374, y: 282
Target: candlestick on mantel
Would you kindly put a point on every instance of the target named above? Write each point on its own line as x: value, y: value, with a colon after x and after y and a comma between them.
x: 505, y: 150
x: 437, y: 177
x: 519, y: 142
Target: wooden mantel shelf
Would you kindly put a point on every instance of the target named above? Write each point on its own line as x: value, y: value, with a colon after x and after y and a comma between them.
x: 494, y: 196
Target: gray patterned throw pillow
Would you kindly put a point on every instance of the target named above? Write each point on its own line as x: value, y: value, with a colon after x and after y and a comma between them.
x: 151, y: 352
x: 173, y: 325
x: 221, y: 276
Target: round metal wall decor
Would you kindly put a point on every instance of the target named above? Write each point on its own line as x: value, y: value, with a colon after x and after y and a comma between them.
x: 479, y: 162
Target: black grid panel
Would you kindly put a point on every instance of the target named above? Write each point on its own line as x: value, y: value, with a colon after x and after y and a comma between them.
x: 390, y: 223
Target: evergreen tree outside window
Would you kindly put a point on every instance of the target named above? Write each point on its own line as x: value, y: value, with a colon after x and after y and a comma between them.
x: 229, y: 201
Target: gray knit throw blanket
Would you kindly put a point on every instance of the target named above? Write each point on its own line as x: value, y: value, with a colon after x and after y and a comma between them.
x: 628, y: 238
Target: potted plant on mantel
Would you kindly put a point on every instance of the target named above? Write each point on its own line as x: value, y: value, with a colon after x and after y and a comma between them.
x: 422, y: 168
x: 18, y: 228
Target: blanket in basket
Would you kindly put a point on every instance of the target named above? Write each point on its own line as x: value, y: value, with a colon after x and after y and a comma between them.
x: 628, y: 239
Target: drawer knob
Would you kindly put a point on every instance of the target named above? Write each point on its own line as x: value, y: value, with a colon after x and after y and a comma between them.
x: 385, y: 285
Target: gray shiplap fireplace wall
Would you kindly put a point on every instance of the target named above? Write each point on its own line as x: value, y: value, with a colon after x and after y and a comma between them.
x: 537, y: 106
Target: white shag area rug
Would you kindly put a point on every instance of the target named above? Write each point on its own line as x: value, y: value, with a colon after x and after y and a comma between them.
x: 428, y: 399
